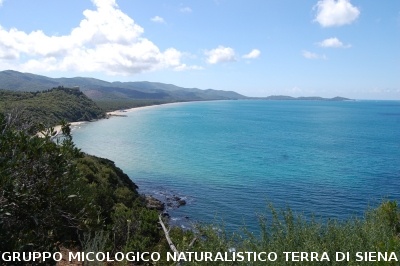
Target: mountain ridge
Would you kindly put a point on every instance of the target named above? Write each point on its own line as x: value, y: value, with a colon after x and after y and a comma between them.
x: 100, y: 90
x: 97, y: 89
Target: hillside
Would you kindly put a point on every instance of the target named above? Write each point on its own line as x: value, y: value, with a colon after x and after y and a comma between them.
x: 49, y: 107
x: 52, y: 195
x: 100, y: 90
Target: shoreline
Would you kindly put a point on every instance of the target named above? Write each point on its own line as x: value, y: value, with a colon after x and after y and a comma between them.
x: 116, y: 113
x: 168, y: 201
x: 72, y: 124
x: 56, y: 130
x: 122, y: 112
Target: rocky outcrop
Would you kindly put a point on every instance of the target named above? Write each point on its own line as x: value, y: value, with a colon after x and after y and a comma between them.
x: 164, y: 202
x: 175, y: 202
x: 154, y: 204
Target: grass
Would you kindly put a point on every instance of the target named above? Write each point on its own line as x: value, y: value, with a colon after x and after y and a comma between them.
x: 287, y: 232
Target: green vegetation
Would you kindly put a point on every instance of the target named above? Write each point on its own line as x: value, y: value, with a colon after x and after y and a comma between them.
x: 53, y: 195
x: 287, y: 232
x: 49, y: 107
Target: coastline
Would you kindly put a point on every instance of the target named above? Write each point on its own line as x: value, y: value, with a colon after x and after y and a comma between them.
x: 56, y: 130
x: 284, y: 159
x: 153, y: 201
x: 162, y: 201
x: 72, y: 124
x: 122, y: 112
x: 116, y: 113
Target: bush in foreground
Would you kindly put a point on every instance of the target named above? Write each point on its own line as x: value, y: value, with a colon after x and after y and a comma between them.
x: 284, y: 231
x: 53, y: 195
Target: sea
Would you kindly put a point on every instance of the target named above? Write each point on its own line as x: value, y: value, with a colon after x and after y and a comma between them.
x: 230, y: 160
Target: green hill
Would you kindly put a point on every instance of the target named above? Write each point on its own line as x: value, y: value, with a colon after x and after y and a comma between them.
x: 100, y: 90
x: 49, y: 107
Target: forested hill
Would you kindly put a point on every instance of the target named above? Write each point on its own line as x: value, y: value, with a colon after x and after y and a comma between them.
x: 100, y: 90
x: 49, y: 107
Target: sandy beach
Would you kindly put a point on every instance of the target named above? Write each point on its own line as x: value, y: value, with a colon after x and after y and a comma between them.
x: 117, y: 113
x: 124, y: 111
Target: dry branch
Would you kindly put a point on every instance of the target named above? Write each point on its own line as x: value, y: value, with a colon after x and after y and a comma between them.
x: 170, y: 243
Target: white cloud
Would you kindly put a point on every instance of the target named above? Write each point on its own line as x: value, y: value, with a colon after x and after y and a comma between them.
x: 1, y: 2
x: 105, y: 3
x: 255, y: 53
x: 106, y: 40
x: 311, y: 55
x: 333, y: 43
x: 335, y: 12
x: 158, y: 19
x: 220, y: 54
x: 184, y: 67
x: 185, y: 9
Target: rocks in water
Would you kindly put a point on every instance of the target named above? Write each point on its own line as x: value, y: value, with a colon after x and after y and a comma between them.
x: 154, y: 204
x: 175, y: 201
x: 181, y: 202
x: 164, y: 201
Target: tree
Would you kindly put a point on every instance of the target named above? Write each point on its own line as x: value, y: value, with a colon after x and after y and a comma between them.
x: 43, y: 199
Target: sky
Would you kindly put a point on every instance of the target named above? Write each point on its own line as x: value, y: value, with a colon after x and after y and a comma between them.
x: 328, y: 48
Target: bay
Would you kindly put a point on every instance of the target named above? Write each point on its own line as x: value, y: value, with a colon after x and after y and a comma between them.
x: 229, y: 159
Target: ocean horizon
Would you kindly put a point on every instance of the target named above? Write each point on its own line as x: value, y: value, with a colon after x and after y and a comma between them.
x: 229, y: 159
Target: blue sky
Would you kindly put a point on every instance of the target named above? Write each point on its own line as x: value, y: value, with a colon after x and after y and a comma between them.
x: 327, y: 48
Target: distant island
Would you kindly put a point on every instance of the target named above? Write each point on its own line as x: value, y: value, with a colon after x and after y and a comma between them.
x: 311, y: 98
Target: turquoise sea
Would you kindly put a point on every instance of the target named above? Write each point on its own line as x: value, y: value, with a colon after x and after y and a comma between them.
x: 229, y: 159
